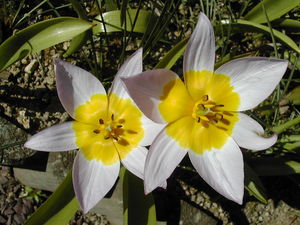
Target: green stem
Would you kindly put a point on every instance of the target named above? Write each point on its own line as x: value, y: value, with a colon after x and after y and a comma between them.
x: 282, y: 127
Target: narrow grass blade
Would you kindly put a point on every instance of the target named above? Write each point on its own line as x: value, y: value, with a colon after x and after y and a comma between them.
x: 111, y: 5
x: 247, y: 26
x: 78, y: 41
x: 173, y: 55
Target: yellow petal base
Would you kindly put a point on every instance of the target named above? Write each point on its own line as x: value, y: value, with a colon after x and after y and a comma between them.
x: 212, y: 115
x: 107, y: 130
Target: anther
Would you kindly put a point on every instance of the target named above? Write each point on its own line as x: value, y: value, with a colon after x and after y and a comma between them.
x: 200, y: 107
x: 218, y: 116
x: 101, y: 121
x: 205, y: 124
x: 227, y: 113
x: 119, y: 126
x: 220, y: 105
x: 198, y: 120
x: 222, y: 128
x: 224, y: 121
x: 115, y: 138
x: 121, y: 121
x: 96, y: 131
x: 106, y: 137
x: 205, y: 98
x: 112, y: 117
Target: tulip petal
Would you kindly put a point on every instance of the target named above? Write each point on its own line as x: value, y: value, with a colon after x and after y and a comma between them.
x: 132, y: 66
x: 92, y: 180
x: 254, y: 79
x: 200, y: 52
x: 151, y: 130
x: 163, y: 157
x: 57, y: 138
x: 222, y: 169
x: 75, y: 86
x: 248, y: 134
x: 135, y: 161
x: 151, y: 88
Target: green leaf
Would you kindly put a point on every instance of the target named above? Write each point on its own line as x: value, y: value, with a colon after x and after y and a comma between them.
x: 173, y: 55
x: 291, y: 25
x: 40, y: 36
x: 253, y: 184
x: 274, y: 8
x: 139, y: 209
x: 292, y: 146
x: 113, y: 23
x: 275, y: 166
x: 247, y: 26
x: 294, y: 96
x: 59, y: 208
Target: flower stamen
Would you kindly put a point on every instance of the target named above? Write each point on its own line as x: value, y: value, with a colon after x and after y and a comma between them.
x: 206, y: 112
x: 96, y: 131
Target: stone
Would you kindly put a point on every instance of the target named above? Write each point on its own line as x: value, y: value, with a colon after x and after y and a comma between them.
x: 3, y: 180
x: 193, y: 216
x: 31, y: 66
x: 4, y: 75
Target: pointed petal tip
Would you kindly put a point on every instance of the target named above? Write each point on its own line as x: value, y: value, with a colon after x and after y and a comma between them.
x: 27, y: 143
x: 239, y: 199
x: 200, y: 51
x: 84, y: 210
x: 56, y: 60
x: 148, y: 190
x: 139, y: 51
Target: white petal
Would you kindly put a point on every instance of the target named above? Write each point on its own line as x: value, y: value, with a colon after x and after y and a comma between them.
x: 147, y: 88
x: 132, y: 66
x: 92, y: 180
x: 222, y: 169
x: 135, y: 161
x: 248, y: 134
x: 57, y: 138
x: 75, y: 86
x: 163, y: 157
x: 151, y: 130
x: 200, y: 52
x: 254, y: 79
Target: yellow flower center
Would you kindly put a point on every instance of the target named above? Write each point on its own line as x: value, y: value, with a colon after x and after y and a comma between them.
x: 107, y: 130
x: 209, y: 113
x: 206, y: 115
